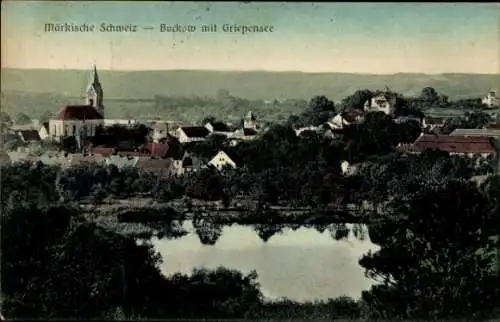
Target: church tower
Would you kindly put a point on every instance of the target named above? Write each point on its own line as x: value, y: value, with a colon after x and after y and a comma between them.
x: 250, y: 121
x: 95, y: 93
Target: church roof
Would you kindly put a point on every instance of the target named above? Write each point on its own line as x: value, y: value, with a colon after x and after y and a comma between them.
x: 95, y: 76
x: 79, y: 112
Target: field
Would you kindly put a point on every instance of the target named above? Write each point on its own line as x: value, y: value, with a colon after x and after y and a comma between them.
x: 135, y: 93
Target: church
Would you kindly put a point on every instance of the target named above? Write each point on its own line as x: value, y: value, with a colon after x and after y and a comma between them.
x: 81, y: 120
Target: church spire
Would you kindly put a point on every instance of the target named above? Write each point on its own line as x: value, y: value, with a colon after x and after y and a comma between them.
x: 95, y: 92
x: 95, y: 77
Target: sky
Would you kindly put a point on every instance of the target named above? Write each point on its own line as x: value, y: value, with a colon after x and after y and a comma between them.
x: 370, y: 38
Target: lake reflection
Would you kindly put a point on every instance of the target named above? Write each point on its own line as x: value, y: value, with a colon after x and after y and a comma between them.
x: 302, y: 265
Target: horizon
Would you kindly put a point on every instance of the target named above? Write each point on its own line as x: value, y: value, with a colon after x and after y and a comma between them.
x: 245, y: 71
x: 312, y: 38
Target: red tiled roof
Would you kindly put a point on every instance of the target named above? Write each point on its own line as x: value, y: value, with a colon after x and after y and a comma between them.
x: 132, y: 154
x: 158, y: 149
x: 159, y: 167
x: 80, y: 159
x: 454, y: 144
x: 79, y: 112
x: 105, y: 152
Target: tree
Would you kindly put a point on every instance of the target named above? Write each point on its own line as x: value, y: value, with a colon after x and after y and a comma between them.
x: 321, y: 103
x: 377, y: 135
x: 205, y: 185
x: 44, y: 249
x: 223, y: 94
x: 208, y: 119
x: 22, y: 119
x: 430, y: 240
x: 69, y: 144
x: 470, y: 120
x: 45, y: 117
x: 321, y: 109
x: 357, y: 100
x: 429, y: 95
x: 477, y: 119
x: 5, y: 120
x: 408, y: 131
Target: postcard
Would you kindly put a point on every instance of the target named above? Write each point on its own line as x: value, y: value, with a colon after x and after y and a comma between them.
x: 249, y: 160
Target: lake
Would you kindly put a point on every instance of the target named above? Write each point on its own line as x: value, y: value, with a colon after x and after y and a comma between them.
x: 302, y: 264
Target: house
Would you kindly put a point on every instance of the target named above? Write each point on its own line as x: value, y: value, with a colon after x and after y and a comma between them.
x: 404, y: 119
x: 338, y: 122
x: 80, y: 159
x: 175, y: 148
x: 349, y: 169
x: 459, y: 145
x: 122, y: 161
x: 55, y: 159
x: 383, y: 102
x: 242, y: 135
x: 187, y: 164
x: 433, y: 122
x: 29, y: 135
x: 160, y: 150
x: 491, y: 133
x: 491, y: 100
x: 315, y: 129
x: 160, y: 131
x: 250, y: 122
x: 218, y: 128
x: 494, y: 133
x: 21, y: 127
x: 43, y: 131
x: 158, y: 167
x: 19, y: 156
x: 186, y: 134
x: 122, y: 122
x: 164, y: 129
x: 222, y: 159
x: 479, y: 180
x: 341, y: 120
x: 103, y: 151
x: 245, y: 134
x: 81, y: 120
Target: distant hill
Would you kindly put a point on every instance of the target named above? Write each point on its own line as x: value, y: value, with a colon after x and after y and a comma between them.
x: 250, y: 85
x: 34, y: 90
